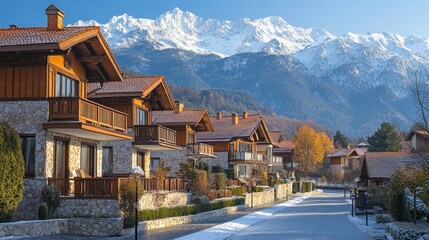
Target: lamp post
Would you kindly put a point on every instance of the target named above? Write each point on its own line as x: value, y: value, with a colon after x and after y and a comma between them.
x: 136, y: 173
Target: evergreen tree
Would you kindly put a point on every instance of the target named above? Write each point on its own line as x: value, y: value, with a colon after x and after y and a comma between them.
x: 385, y: 139
x: 340, y: 140
x: 11, y: 171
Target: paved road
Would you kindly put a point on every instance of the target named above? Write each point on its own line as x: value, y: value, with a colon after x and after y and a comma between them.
x: 318, y: 217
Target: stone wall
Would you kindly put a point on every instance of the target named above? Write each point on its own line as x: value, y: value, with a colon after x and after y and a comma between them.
x: 259, y: 198
x: 163, y: 199
x: 71, y: 207
x: 283, y: 190
x: 75, y: 226
x: 97, y: 227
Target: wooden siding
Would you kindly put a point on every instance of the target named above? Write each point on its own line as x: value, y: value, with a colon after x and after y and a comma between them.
x: 17, y: 82
x: 336, y: 160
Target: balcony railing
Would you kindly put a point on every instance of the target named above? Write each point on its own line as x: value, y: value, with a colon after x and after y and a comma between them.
x: 277, y: 159
x: 246, y: 156
x: 84, y: 110
x: 154, y: 134
x: 200, y: 149
x: 109, y: 187
x: 291, y: 165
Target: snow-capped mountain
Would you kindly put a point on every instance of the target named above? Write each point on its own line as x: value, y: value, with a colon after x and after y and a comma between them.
x: 186, y: 31
x: 298, y: 72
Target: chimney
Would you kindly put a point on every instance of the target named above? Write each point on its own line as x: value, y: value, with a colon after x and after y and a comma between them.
x: 234, y: 119
x: 219, y: 115
x: 179, y: 107
x: 12, y: 26
x: 245, y: 115
x: 55, y: 18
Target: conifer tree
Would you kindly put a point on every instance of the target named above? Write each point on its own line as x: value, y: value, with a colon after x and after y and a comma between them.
x: 11, y: 171
x: 385, y: 139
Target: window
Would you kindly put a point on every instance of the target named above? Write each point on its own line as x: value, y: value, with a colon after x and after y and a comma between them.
x: 140, y: 160
x: 245, y: 147
x: 28, y: 147
x: 141, y: 117
x: 65, y: 86
x: 107, y: 161
x: 242, y: 170
x: 154, y: 163
x: 87, y: 161
x: 191, y: 137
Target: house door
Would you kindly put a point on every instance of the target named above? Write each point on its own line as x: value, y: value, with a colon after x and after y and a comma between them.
x: 61, y: 162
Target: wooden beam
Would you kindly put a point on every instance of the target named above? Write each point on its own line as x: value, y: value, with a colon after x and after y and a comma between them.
x: 99, y: 66
x: 92, y: 59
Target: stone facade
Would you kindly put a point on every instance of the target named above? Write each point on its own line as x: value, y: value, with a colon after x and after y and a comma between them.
x: 125, y: 156
x: 27, y: 117
x: 171, y: 159
x: 75, y: 226
x: 72, y: 207
x: 259, y: 198
x: 163, y: 199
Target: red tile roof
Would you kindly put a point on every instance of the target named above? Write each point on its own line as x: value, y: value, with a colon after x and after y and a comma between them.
x: 224, y: 130
x: 38, y: 35
x: 384, y: 164
x: 131, y: 85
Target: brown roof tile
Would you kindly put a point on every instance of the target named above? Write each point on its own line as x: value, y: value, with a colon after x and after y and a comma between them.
x: 130, y: 85
x: 186, y: 117
x: 38, y: 35
x: 342, y: 153
x: 225, y: 130
x: 384, y: 164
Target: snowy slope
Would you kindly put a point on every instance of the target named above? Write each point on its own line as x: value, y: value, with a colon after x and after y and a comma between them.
x: 186, y: 31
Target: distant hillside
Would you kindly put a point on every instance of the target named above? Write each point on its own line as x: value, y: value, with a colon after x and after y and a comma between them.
x: 229, y: 101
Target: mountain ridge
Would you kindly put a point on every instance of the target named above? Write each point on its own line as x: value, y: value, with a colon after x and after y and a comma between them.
x: 303, y: 73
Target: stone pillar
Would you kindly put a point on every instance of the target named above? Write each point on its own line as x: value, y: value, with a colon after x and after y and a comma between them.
x: 147, y: 164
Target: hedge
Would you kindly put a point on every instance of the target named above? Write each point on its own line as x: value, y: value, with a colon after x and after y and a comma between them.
x: 237, y: 191
x: 294, y: 187
x: 164, y: 212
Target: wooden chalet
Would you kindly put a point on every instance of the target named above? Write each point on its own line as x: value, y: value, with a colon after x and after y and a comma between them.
x: 418, y: 140
x: 186, y: 123
x: 283, y: 149
x: 138, y: 96
x: 44, y: 74
x: 240, y: 142
x: 378, y: 167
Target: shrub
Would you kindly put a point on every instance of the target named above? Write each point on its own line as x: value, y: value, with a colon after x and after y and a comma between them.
x: 378, y: 196
x: 383, y: 218
x: 43, y: 212
x: 303, y: 187
x: 164, y: 212
x: 294, y: 187
x: 257, y: 189
x: 237, y: 191
x: 397, y: 201
x: 51, y: 196
x: 270, y: 182
x: 221, y: 181
x: 127, y: 200
x: 12, y: 171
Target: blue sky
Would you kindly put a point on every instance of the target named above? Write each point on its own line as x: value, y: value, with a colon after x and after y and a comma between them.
x: 337, y: 16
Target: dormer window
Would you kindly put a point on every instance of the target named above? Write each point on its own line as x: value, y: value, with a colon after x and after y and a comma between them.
x: 65, y: 86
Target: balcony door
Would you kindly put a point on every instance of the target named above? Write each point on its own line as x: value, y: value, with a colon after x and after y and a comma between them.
x: 61, y: 162
x: 87, y: 161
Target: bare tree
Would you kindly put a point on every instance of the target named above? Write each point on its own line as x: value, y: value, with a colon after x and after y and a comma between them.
x: 419, y: 90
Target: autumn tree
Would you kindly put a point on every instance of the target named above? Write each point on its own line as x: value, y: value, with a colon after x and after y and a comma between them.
x: 326, y: 142
x: 340, y: 140
x: 385, y: 139
x: 309, y: 150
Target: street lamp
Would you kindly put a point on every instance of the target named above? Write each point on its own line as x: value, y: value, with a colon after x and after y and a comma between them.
x: 136, y: 173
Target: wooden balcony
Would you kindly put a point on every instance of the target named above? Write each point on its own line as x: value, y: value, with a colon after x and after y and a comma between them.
x: 200, y: 150
x: 109, y: 187
x: 276, y: 160
x: 246, y: 157
x: 154, y: 138
x: 83, y: 118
